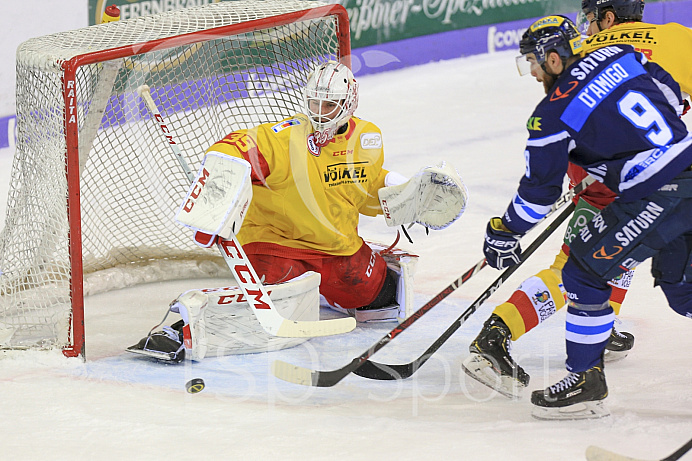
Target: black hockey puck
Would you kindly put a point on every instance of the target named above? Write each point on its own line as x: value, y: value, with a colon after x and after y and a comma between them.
x: 195, y: 386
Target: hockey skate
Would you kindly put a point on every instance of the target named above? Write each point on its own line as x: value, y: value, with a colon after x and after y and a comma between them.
x: 188, y: 334
x: 165, y: 345
x: 619, y: 345
x: 190, y: 305
x: 490, y: 362
x: 577, y: 396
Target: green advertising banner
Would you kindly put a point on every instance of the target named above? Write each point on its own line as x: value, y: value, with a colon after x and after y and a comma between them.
x: 135, y: 8
x: 381, y: 21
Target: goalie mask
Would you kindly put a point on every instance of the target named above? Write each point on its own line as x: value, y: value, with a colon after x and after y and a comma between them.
x: 552, y: 33
x: 329, y: 99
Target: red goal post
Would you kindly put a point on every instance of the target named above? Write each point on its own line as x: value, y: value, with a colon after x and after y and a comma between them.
x: 94, y: 188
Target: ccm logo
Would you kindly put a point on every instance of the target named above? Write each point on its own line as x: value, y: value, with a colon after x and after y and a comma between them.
x: 235, y: 298
x: 164, y: 128
x: 196, y: 190
x: 370, y: 140
x: 385, y: 209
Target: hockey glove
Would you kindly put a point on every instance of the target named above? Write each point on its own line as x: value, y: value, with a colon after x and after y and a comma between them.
x: 501, y: 247
x: 434, y: 197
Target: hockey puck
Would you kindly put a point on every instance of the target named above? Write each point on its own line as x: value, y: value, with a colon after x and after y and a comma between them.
x: 195, y: 386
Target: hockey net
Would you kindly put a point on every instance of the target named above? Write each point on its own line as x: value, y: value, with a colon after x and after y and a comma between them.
x: 94, y: 188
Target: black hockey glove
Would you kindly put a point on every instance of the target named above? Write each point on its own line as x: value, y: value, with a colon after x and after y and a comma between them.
x: 501, y: 247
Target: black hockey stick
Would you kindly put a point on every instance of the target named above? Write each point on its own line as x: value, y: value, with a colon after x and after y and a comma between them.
x: 375, y: 370
x: 308, y: 377
x: 599, y: 454
x: 305, y: 376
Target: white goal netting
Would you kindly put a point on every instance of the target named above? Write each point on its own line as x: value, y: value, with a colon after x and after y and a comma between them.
x: 94, y: 187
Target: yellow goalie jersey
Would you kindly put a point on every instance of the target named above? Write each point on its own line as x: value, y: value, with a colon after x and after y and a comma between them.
x: 305, y: 197
x: 668, y: 45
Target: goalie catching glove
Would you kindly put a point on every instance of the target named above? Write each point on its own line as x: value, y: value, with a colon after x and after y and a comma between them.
x: 501, y: 247
x: 434, y: 197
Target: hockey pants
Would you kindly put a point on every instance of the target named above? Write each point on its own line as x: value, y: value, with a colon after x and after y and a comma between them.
x: 621, y: 237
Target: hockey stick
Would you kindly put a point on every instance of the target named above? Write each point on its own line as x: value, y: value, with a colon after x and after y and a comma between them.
x: 308, y: 377
x: 375, y: 370
x: 599, y: 454
x: 233, y: 254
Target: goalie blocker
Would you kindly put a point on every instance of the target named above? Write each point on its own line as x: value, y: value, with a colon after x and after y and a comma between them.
x: 223, y: 199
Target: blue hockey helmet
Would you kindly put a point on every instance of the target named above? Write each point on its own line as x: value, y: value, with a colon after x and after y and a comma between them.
x: 551, y: 33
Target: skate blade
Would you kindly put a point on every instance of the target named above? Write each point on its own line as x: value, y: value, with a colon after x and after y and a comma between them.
x: 583, y: 410
x: 377, y: 315
x: 614, y: 356
x: 163, y: 356
x: 482, y: 371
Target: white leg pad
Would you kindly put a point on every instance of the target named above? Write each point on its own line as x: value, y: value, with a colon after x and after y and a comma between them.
x: 231, y: 326
x: 404, y: 264
x: 404, y: 293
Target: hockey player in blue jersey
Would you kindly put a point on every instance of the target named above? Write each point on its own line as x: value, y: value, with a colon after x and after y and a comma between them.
x: 616, y: 115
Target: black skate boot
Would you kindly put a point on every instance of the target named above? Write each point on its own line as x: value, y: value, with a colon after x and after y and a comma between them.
x: 619, y: 345
x: 577, y: 396
x: 165, y: 345
x: 490, y: 362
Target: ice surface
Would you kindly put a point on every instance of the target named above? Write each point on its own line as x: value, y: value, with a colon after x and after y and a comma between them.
x: 471, y: 112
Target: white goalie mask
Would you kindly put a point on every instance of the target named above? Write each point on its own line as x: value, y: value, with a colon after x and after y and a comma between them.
x: 329, y: 99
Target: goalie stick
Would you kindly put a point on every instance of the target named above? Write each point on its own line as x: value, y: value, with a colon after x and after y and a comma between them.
x: 307, y: 377
x: 599, y: 454
x: 267, y: 315
x: 381, y: 371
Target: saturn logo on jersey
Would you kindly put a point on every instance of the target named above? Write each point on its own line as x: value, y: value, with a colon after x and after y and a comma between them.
x: 558, y: 94
x: 634, y: 227
x: 602, y: 254
x: 313, y: 148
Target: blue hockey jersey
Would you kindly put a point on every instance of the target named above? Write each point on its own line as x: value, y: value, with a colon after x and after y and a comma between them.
x: 616, y: 115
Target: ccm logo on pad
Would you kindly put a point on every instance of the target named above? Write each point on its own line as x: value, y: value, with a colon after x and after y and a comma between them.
x: 196, y: 191
x: 370, y: 140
